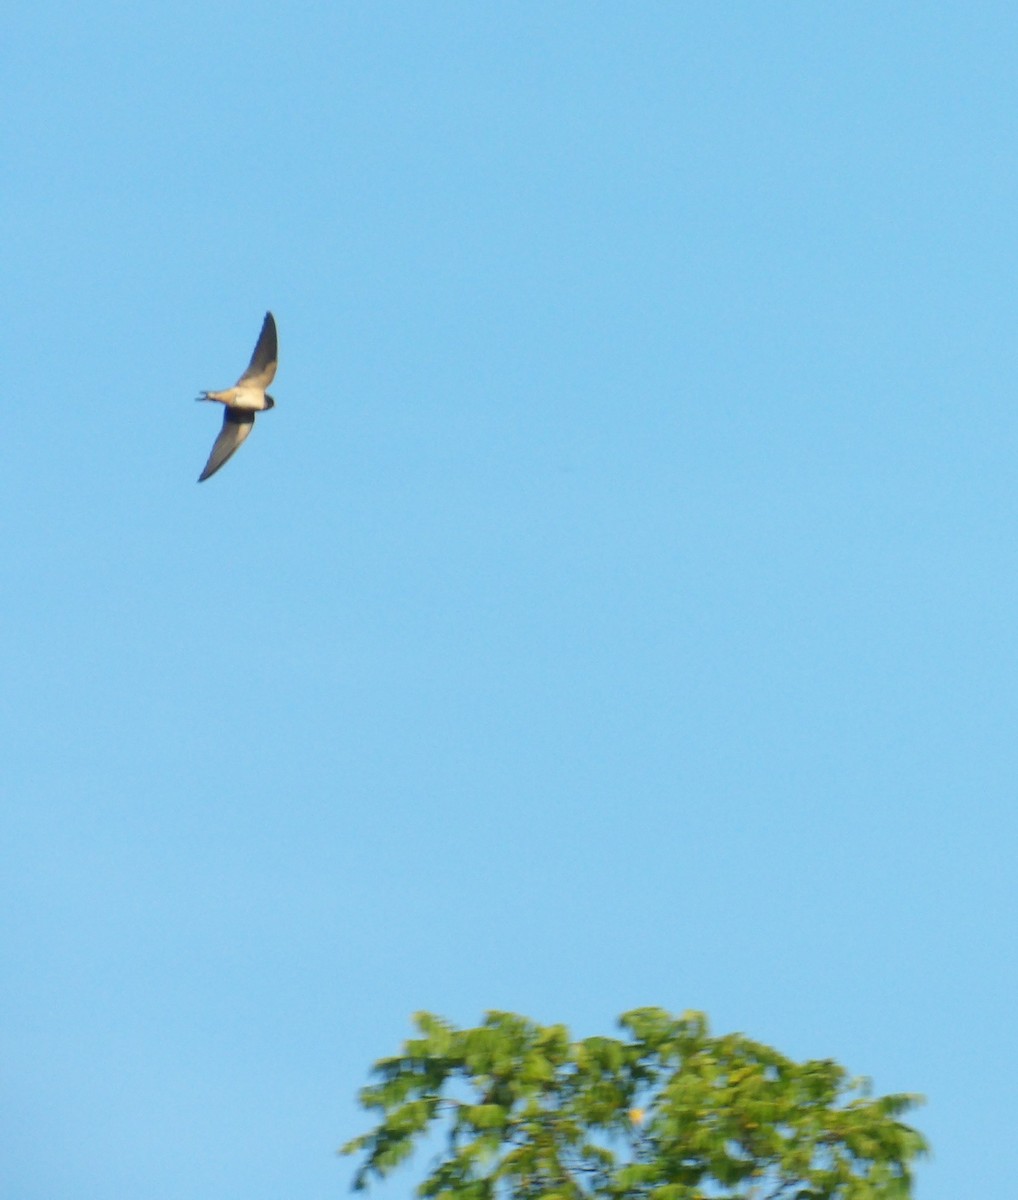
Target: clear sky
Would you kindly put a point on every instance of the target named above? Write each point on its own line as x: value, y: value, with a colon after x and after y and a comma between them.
x: 619, y: 606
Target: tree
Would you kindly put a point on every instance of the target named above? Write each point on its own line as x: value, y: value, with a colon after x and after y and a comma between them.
x: 666, y: 1112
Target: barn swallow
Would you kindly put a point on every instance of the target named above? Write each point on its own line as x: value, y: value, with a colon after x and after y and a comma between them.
x: 244, y: 399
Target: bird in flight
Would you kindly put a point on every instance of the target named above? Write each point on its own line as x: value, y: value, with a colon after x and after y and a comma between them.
x: 244, y: 399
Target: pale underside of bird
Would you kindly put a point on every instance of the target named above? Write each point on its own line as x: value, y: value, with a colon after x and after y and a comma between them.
x: 244, y: 399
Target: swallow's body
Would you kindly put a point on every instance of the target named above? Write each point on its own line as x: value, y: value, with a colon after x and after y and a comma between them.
x: 244, y: 399
x: 249, y: 398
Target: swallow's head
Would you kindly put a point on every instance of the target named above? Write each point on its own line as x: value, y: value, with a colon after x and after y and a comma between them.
x: 269, y: 402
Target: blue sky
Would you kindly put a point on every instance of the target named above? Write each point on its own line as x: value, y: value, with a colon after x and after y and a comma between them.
x: 617, y: 608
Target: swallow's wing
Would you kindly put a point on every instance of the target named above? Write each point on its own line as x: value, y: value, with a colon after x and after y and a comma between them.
x: 261, y: 370
x: 237, y: 424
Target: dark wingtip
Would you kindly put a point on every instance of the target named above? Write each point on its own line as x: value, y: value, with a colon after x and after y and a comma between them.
x: 209, y: 470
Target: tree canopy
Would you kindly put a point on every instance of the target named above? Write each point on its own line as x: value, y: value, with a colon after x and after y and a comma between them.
x: 665, y: 1112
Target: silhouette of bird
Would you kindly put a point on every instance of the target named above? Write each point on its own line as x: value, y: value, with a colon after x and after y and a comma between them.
x: 244, y: 399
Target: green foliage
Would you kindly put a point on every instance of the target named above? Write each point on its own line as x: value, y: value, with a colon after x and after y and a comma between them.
x: 667, y: 1112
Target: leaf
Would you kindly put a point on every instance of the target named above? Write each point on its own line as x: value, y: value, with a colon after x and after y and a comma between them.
x: 666, y: 1112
